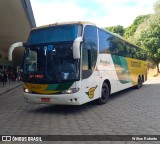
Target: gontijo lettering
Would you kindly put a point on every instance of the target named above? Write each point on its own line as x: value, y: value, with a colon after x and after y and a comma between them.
x: 135, y: 64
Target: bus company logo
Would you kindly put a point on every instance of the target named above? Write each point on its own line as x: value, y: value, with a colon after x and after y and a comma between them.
x: 90, y: 93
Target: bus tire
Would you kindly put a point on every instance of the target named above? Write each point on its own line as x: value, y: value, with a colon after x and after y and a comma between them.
x: 105, y: 93
x: 139, y: 85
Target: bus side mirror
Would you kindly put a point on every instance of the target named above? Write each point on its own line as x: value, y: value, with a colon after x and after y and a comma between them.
x: 12, y: 47
x: 76, y: 47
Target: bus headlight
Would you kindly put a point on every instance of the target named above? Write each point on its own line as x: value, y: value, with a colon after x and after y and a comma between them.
x: 26, y: 90
x: 70, y: 91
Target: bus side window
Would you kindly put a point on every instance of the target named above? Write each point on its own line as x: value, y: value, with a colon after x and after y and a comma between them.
x: 89, y: 51
x: 86, y: 61
x: 104, y: 41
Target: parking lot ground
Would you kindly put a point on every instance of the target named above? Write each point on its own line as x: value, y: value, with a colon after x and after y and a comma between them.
x: 129, y: 112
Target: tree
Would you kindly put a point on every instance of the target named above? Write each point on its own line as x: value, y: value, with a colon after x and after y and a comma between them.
x: 150, y: 37
x: 147, y: 34
x: 116, y: 29
x: 157, y: 7
x: 132, y: 29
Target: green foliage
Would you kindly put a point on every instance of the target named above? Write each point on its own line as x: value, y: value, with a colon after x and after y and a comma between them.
x: 116, y: 29
x: 157, y: 6
x: 132, y: 29
x: 152, y: 45
x: 150, y: 39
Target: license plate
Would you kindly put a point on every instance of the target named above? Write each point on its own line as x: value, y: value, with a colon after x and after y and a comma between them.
x: 45, y: 100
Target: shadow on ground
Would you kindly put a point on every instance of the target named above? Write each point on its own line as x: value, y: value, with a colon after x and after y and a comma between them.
x: 71, y: 109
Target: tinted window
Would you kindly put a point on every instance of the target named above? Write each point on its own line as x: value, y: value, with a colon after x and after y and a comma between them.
x: 54, y: 34
x: 50, y: 63
x: 89, y: 50
x: 117, y: 46
x: 85, y: 62
x: 109, y: 43
x: 103, y: 42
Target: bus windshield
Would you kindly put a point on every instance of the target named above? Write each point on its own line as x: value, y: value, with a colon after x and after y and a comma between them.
x: 50, y: 63
x: 48, y: 56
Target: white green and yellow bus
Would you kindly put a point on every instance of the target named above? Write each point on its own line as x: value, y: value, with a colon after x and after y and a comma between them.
x: 76, y: 62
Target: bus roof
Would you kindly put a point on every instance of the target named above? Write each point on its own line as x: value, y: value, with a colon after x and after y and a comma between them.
x: 83, y: 22
x: 64, y: 23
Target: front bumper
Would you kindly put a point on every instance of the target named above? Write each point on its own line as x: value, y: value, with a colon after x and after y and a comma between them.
x: 60, y: 99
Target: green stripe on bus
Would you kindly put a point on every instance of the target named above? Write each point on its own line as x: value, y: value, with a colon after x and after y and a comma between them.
x: 52, y: 87
x: 64, y: 86
x: 121, y: 67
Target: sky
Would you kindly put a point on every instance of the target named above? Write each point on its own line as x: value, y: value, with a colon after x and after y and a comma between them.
x: 103, y: 13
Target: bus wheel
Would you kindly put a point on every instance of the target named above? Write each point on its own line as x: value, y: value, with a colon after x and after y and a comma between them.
x: 139, y: 85
x: 105, y: 92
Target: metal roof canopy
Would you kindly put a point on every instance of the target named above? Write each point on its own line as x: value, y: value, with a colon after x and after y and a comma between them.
x: 16, y: 22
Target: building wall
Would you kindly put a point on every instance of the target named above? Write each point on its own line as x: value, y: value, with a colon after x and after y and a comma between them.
x: 4, y: 63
